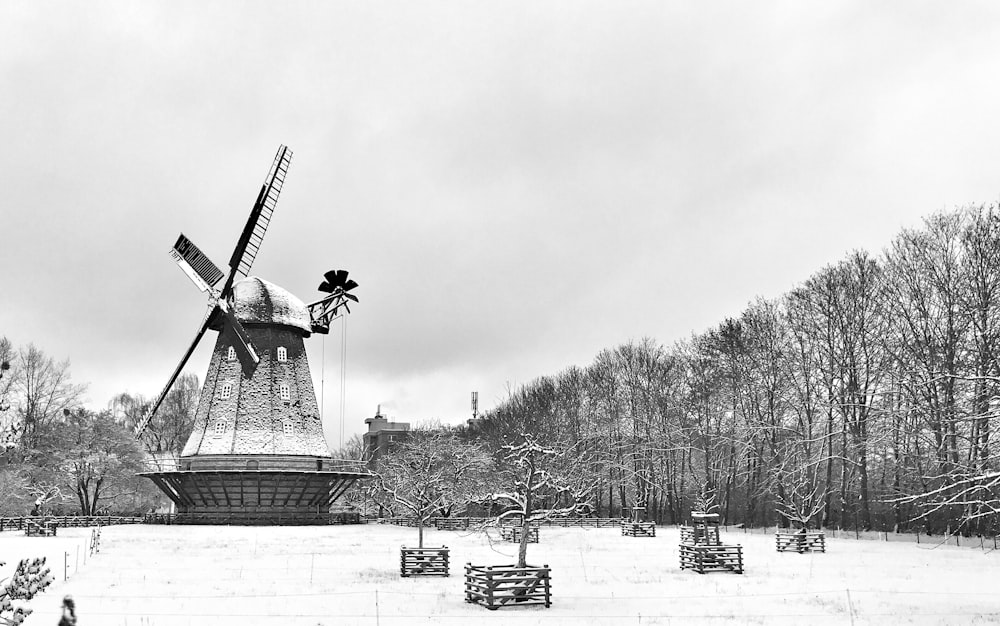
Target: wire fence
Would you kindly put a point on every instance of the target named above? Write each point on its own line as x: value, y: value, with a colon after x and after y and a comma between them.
x: 383, y: 607
x: 386, y: 607
x: 975, y: 541
x: 984, y: 542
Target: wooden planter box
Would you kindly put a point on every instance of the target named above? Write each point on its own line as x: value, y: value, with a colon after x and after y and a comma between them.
x: 800, y: 541
x: 423, y: 561
x: 495, y: 586
x: 513, y: 533
x: 451, y: 523
x: 702, y: 558
x: 697, y: 534
x: 638, y: 529
x: 40, y: 528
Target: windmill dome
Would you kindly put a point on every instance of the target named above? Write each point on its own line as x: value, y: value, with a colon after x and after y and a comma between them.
x: 257, y: 301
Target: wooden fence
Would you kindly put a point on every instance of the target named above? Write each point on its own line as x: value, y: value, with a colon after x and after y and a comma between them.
x: 702, y: 558
x: 224, y: 519
x: 494, y: 586
x: 40, y: 527
x: 562, y: 522
x: 699, y: 534
x: 638, y: 529
x: 67, y: 521
x: 451, y: 523
x: 423, y: 561
x: 514, y: 533
x: 799, y: 540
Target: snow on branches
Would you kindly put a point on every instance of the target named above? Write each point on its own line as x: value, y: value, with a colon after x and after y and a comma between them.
x: 432, y: 472
x: 537, y: 482
x: 969, y: 498
x: 30, y: 577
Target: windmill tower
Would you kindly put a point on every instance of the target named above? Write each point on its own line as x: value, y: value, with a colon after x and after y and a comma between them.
x: 257, y: 453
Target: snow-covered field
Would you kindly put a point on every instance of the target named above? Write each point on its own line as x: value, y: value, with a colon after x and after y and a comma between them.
x: 216, y: 575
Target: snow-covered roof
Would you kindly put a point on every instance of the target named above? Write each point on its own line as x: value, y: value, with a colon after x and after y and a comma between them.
x: 256, y: 301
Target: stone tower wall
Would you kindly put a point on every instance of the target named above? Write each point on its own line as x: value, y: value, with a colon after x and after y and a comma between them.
x: 254, y: 419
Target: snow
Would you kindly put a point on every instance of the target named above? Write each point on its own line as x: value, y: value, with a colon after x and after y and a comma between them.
x: 217, y: 575
x: 258, y: 301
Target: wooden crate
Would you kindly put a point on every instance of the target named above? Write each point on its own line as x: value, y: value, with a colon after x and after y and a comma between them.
x: 702, y: 558
x: 800, y: 541
x: 513, y: 533
x: 451, y: 523
x: 638, y: 529
x: 697, y: 534
x: 495, y: 586
x: 40, y: 528
x: 423, y: 561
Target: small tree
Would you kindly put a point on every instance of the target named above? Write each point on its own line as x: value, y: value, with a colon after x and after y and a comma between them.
x: 705, y: 501
x: 802, y: 498
x: 538, y: 482
x: 431, y: 472
x: 30, y: 578
x: 44, y: 493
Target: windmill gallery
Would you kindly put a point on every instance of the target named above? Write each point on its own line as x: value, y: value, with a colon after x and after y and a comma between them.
x: 256, y: 454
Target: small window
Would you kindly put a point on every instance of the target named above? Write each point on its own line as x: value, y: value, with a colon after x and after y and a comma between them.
x: 227, y: 390
x: 282, y: 354
x: 220, y: 428
x: 287, y: 427
x: 285, y: 393
x: 232, y: 354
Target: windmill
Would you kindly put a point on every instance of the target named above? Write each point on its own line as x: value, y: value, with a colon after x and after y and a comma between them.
x: 257, y: 453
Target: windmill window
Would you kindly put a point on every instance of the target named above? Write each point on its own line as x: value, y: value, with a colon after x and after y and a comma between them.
x: 232, y: 354
x: 227, y: 390
x: 220, y: 428
x: 285, y: 393
x: 282, y: 354
x: 287, y: 427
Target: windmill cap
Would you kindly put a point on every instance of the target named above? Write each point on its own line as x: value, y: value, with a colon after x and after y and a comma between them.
x: 257, y: 301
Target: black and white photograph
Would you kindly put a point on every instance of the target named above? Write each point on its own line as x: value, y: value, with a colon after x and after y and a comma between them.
x: 528, y: 313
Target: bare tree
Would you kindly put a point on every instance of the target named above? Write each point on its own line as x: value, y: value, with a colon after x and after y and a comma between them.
x: 802, y: 498
x: 168, y: 430
x: 537, y: 482
x: 43, y: 392
x: 432, y: 472
x: 10, y: 434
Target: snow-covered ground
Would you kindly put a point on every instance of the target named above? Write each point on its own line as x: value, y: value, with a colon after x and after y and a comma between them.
x: 218, y: 576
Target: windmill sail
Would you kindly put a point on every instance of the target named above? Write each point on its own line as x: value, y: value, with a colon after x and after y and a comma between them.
x: 202, y: 272
x: 141, y: 426
x: 260, y: 217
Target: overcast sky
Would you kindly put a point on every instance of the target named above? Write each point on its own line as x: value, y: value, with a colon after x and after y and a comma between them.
x: 515, y: 185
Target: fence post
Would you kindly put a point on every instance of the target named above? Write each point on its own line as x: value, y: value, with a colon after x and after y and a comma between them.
x: 850, y: 606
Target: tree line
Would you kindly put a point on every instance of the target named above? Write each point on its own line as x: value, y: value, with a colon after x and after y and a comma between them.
x: 57, y: 457
x: 865, y: 397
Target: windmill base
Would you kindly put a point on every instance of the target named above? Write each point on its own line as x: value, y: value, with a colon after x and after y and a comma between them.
x: 254, y: 489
